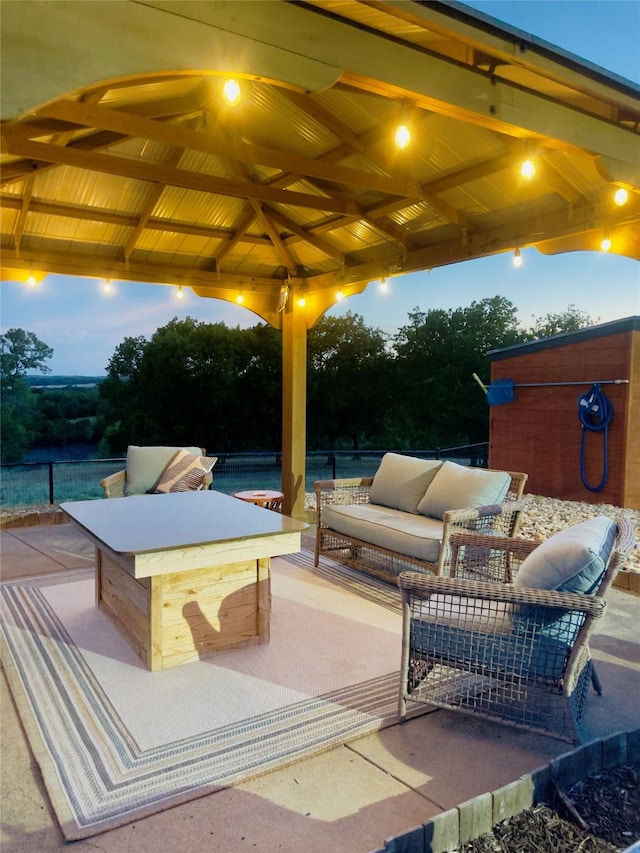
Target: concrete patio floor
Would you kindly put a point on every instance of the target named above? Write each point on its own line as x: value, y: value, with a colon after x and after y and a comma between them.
x: 346, y: 800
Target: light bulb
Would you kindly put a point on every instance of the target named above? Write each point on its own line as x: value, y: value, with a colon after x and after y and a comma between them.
x: 31, y: 281
x: 106, y: 287
x: 403, y: 137
x: 231, y: 92
x: 528, y: 169
x: 606, y: 244
x: 180, y: 294
x: 240, y: 298
x: 517, y: 259
x: 621, y: 196
x: 339, y: 296
x: 383, y: 285
x: 301, y: 301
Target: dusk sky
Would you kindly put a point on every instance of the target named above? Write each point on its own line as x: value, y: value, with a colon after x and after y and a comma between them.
x: 84, y: 326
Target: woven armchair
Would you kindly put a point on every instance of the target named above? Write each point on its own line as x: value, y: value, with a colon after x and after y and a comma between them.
x: 503, y: 519
x: 512, y: 654
x: 115, y: 484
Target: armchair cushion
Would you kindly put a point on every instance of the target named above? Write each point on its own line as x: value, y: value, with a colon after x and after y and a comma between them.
x: 145, y: 464
x: 401, y: 481
x: 572, y: 560
x: 184, y: 472
x: 458, y: 487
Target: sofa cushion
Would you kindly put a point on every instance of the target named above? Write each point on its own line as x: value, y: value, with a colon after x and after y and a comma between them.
x: 401, y: 481
x: 458, y: 487
x: 572, y: 560
x: 145, y: 464
x: 403, y: 532
x: 185, y: 472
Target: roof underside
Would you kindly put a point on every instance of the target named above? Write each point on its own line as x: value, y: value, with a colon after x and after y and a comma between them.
x: 149, y: 176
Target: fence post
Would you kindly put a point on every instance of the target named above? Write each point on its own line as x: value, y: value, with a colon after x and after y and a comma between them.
x: 50, y: 482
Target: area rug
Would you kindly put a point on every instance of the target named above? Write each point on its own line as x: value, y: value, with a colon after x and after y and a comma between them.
x: 116, y: 742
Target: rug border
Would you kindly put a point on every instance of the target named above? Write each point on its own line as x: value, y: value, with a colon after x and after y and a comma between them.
x: 74, y: 831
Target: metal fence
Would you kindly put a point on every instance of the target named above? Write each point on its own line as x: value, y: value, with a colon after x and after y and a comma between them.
x: 31, y: 484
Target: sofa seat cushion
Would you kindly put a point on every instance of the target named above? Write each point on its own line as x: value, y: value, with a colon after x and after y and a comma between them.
x: 403, y: 532
x: 401, y: 481
x: 458, y: 487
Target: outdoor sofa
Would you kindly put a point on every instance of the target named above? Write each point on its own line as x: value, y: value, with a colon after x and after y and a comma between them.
x: 402, y: 518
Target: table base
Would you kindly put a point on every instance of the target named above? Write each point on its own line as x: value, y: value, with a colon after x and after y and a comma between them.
x: 183, y: 616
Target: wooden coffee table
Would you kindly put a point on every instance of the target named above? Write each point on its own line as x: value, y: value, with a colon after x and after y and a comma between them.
x: 184, y: 575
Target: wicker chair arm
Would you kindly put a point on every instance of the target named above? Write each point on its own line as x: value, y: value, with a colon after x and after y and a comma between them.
x: 423, y: 586
x: 113, y: 485
x: 348, y: 490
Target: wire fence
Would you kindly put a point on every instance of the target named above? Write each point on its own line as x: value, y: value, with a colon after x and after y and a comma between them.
x: 30, y: 484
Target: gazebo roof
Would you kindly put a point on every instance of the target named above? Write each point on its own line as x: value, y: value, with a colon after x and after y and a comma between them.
x: 121, y: 158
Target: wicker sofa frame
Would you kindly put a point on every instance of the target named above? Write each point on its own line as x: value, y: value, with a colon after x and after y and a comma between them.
x: 364, y: 556
x: 481, y: 660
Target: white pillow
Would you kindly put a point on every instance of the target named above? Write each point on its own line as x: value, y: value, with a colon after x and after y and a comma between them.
x: 572, y: 560
x: 458, y: 487
x: 401, y: 481
x: 145, y: 464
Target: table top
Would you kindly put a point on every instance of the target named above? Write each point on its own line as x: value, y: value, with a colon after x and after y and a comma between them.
x: 265, y: 495
x: 141, y: 524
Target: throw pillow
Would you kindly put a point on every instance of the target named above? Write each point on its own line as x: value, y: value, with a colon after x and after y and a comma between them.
x: 572, y: 560
x: 145, y: 464
x: 401, y: 481
x: 458, y: 487
x: 184, y: 473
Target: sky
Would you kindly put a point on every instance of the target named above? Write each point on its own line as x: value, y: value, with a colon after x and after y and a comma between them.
x: 84, y: 326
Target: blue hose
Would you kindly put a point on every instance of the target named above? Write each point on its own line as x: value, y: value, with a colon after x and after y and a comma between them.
x: 595, y: 412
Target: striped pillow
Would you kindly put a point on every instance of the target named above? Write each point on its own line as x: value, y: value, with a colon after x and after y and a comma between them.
x: 184, y: 472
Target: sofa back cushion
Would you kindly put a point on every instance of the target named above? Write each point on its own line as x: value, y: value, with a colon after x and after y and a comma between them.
x: 401, y: 481
x: 573, y: 560
x: 145, y: 464
x: 458, y: 487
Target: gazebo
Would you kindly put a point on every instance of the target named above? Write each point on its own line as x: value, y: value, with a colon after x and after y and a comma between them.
x: 285, y: 154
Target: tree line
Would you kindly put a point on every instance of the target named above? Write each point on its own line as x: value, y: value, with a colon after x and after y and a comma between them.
x: 220, y: 388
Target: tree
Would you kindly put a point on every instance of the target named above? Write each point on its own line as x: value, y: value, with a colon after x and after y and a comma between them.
x: 553, y: 324
x: 437, y: 355
x: 349, y: 382
x: 19, y: 351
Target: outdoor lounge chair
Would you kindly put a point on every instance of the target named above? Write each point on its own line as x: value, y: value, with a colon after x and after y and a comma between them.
x: 515, y: 653
x: 145, y: 467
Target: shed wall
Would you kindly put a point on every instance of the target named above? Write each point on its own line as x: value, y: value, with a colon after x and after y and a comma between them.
x: 540, y: 432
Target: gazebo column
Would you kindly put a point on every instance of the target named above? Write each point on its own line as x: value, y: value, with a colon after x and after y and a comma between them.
x: 294, y: 406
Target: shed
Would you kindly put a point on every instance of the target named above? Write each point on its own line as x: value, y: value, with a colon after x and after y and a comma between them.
x: 540, y: 431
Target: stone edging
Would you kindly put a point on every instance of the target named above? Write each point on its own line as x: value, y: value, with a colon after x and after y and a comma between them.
x: 469, y: 820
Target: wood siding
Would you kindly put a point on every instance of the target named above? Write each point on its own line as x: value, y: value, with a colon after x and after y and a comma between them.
x: 540, y: 432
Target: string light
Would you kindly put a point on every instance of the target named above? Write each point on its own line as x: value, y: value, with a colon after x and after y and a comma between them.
x: 231, y: 92
x: 528, y: 169
x: 339, y: 296
x: 517, y: 259
x: 621, y: 196
x: 301, y: 301
x: 383, y: 285
x: 106, y: 287
x: 403, y: 137
x: 605, y: 245
x: 240, y: 298
x: 32, y: 280
x: 179, y: 293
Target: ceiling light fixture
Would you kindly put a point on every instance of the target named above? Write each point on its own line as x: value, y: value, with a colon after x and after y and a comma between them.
x: 621, y: 196
x: 517, y: 259
x: 231, y: 92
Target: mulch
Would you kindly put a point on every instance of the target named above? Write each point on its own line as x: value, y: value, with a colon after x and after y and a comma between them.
x: 600, y: 814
